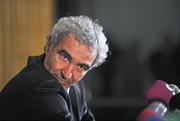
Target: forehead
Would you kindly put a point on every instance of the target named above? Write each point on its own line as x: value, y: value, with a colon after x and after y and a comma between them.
x: 76, y: 48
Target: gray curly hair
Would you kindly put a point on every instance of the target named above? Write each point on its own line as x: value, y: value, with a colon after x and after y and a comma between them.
x: 86, y: 30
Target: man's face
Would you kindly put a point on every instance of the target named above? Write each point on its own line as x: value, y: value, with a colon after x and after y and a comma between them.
x: 70, y: 60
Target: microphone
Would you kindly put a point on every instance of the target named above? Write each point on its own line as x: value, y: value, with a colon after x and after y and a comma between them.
x: 158, y: 97
x: 154, y: 112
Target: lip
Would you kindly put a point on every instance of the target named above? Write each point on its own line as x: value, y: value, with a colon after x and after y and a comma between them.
x: 63, y: 82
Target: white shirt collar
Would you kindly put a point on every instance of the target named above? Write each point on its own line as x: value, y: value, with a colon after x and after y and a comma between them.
x: 68, y: 89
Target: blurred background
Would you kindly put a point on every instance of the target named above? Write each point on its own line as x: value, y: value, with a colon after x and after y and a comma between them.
x: 144, y: 39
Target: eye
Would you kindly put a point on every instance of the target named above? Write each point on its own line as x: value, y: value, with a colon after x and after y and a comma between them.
x: 83, y: 67
x: 64, y: 56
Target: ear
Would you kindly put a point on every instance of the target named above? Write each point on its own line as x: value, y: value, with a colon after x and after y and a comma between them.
x: 48, y: 45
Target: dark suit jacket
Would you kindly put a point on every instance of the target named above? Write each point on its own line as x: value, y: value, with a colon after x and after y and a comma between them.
x: 35, y: 94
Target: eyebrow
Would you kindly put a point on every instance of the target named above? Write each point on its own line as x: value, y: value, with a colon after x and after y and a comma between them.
x: 64, y: 51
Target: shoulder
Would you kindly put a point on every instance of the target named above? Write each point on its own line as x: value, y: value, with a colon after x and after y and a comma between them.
x: 32, y: 75
x: 33, y: 78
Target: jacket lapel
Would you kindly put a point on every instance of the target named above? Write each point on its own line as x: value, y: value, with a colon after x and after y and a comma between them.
x: 74, y: 102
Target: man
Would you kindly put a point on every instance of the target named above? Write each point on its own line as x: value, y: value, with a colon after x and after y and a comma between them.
x: 49, y: 87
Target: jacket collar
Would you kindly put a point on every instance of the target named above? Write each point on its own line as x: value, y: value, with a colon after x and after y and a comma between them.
x: 36, y: 59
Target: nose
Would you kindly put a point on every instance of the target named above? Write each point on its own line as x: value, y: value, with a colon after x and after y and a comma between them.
x: 67, y: 72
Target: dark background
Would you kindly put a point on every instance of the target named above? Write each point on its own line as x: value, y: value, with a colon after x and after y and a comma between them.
x: 144, y: 39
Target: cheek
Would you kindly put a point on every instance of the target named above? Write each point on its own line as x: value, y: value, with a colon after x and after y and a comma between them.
x: 55, y: 63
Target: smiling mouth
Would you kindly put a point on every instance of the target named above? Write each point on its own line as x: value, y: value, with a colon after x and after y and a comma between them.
x: 65, y: 83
